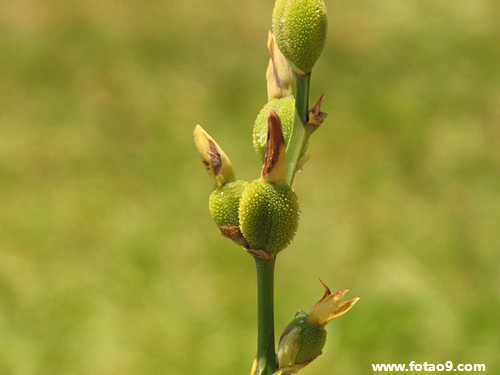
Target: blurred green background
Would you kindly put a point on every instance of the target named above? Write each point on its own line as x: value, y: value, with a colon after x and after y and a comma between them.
x: 109, y: 261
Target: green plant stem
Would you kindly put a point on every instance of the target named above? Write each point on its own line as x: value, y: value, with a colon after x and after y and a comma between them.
x: 300, y: 133
x: 266, y: 355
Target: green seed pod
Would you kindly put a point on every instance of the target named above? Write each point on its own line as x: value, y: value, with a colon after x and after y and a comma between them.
x: 269, y: 216
x: 224, y: 203
x: 285, y: 109
x: 300, y: 28
x: 303, y: 339
x: 301, y: 342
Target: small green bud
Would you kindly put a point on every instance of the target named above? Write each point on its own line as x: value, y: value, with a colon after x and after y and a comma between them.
x: 269, y: 216
x: 300, y: 28
x: 285, y: 109
x: 224, y: 203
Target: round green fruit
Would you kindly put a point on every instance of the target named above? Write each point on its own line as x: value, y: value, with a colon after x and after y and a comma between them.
x: 285, y: 108
x: 311, y: 338
x: 300, y: 28
x: 269, y: 216
x: 224, y: 203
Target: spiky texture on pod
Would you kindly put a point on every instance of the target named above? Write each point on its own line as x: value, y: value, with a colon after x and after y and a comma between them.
x: 285, y: 109
x: 224, y: 203
x: 269, y: 216
x: 301, y: 341
x: 300, y: 28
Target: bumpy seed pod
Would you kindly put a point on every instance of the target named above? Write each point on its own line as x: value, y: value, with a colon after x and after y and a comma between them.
x: 269, y: 216
x: 303, y: 339
x: 224, y: 203
x: 285, y: 109
x: 269, y: 209
x: 300, y: 28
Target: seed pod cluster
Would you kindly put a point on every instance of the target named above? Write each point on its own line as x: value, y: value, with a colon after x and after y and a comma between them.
x: 300, y: 28
x: 285, y: 109
x: 269, y: 216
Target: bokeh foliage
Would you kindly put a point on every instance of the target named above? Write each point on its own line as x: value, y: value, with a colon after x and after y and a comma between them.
x: 109, y: 262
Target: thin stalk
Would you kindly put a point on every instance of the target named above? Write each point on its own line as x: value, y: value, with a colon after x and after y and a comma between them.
x: 300, y: 133
x: 266, y: 355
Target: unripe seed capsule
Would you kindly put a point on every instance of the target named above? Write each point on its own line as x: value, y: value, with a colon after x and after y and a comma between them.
x: 285, y: 109
x: 300, y: 28
x: 301, y: 341
x: 224, y: 203
x: 304, y: 338
x: 269, y: 216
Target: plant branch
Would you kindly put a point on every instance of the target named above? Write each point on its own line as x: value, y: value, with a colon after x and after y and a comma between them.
x: 300, y: 132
